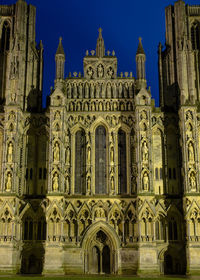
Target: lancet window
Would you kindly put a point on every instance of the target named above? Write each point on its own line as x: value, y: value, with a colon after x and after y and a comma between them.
x: 122, y: 170
x: 5, y: 39
x: 80, y: 162
x: 100, y: 160
x: 195, y: 36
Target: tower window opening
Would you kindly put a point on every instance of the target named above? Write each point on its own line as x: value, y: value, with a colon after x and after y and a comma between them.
x: 170, y: 173
x: 5, y: 39
x: 40, y: 173
x: 44, y: 173
x: 174, y: 173
x: 195, y: 37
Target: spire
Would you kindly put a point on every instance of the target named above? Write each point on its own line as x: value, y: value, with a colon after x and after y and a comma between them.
x: 140, y: 66
x: 60, y: 61
x: 60, y: 49
x: 100, y: 49
x: 140, y: 49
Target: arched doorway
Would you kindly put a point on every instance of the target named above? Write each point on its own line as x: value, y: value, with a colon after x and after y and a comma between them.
x: 100, y: 251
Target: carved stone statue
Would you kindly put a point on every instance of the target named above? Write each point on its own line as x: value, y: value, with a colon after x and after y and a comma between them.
x: 75, y: 90
x: 68, y: 156
x: 9, y: 182
x: 100, y: 71
x: 192, y: 181
x: 115, y: 106
x: 120, y: 90
x: 86, y: 90
x: 90, y: 72
x: 10, y: 153
x: 110, y: 72
x: 108, y: 90
x: 112, y: 184
x: 69, y: 91
x: 56, y: 152
x: 108, y: 106
x: 98, y: 90
x: 189, y: 130
x: 100, y: 213
x: 114, y: 89
x: 88, y: 153
x: 145, y: 152
x: 67, y: 138
x: 92, y: 90
x: 93, y: 106
x: 13, y: 97
x: 190, y: 152
x: 111, y: 154
x: 145, y: 181
x: 100, y: 106
x: 55, y: 181
x: 80, y: 90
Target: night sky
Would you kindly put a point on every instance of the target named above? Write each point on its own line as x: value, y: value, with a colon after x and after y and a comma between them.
x: 122, y: 21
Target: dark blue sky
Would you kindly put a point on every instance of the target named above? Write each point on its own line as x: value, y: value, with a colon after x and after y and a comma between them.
x: 122, y: 21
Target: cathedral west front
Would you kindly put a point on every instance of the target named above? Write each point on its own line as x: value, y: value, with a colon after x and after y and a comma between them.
x: 102, y: 180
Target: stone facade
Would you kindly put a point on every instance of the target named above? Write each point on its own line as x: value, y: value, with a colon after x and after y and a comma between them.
x: 102, y: 181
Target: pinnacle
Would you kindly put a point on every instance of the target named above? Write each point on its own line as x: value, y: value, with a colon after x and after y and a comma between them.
x: 60, y: 49
x: 100, y: 49
x: 140, y: 49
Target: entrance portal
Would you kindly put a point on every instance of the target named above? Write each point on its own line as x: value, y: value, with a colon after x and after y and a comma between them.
x: 100, y: 258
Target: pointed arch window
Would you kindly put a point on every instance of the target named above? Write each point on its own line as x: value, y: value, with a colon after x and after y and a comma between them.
x: 195, y: 36
x: 5, y: 39
x: 80, y: 162
x: 122, y: 168
x: 100, y: 160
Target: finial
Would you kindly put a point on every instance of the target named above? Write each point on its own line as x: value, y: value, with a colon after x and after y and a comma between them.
x: 100, y: 32
x: 60, y: 40
x: 140, y: 39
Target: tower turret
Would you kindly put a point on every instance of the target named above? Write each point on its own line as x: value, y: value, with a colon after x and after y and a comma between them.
x: 140, y: 66
x: 100, y: 49
x: 60, y: 61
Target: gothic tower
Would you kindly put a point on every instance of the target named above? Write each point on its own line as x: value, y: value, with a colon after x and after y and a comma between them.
x: 179, y: 78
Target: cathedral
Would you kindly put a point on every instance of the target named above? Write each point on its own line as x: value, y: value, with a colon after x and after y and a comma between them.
x: 101, y: 181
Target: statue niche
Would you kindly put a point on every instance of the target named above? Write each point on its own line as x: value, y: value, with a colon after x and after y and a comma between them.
x: 56, y: 152
x: 145, y: 152
x: 8, y: 182
x: 192, y: 180
x: 55, y: 181
x: 190, y: 152
x: 100, y: 71
x: 145, y: 181
x: 10, y: 153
